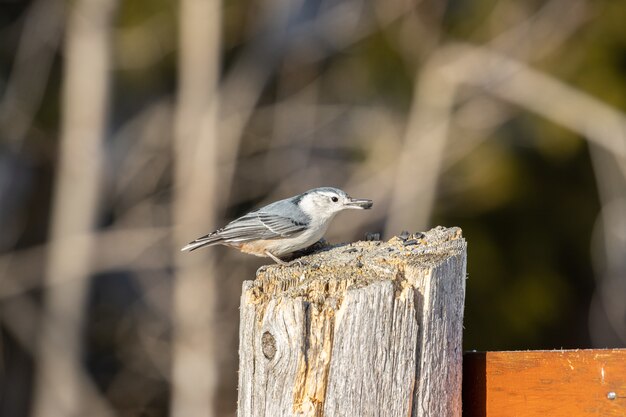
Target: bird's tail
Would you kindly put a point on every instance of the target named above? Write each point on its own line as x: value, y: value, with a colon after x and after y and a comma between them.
x: 210, y: 239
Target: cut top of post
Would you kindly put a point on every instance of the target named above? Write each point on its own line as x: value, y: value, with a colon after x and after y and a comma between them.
x: 334, y: 269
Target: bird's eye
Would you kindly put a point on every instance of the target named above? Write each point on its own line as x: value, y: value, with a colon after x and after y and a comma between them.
x: 334, y: 199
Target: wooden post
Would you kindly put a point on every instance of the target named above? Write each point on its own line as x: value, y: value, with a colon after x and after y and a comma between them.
x: 365, y: 329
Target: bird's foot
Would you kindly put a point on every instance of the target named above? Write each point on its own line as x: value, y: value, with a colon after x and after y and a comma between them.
x: 279, y: 261
x: 276, y: 258
x: 298, y: 262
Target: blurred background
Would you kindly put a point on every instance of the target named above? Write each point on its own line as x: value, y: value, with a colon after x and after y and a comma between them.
x: 128, y: 128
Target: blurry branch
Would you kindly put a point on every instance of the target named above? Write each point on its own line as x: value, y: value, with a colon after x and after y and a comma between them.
x: 535, y: 37
x: 420, y: 160
x: 342, y: 24
x: 456, y: 66
x: 519, y: 84
x: 242, y: 87
x: 19, y: 315
x: 609, y: 261
x: 116, y: 249
x: 542, y: 33
x: 338, y: 27
x: 420, y: 29
x: 35, y: 52
x: 195, y: 362
x: 141, y: 152
x: 59, y: 387
x: 436, y: 95
x: 290, y: 123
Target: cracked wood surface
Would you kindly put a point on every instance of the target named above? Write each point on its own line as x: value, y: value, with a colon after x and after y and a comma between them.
x: 363, y: 329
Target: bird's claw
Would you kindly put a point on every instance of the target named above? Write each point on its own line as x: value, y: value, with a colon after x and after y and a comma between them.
x: 298, y: 262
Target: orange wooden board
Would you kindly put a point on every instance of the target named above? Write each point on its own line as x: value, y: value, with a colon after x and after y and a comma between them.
x: 568, y: 383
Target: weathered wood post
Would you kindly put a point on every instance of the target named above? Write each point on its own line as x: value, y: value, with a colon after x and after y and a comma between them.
x: 366, y: 329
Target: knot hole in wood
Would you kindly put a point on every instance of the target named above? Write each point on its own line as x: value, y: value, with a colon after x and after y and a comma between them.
x: 268, y: 345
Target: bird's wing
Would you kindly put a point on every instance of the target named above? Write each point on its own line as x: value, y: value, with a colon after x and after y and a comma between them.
x: 280, y: 219
x: 270, y: 222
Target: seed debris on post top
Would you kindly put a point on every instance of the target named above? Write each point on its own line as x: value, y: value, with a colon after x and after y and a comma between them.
x: 336, y: 268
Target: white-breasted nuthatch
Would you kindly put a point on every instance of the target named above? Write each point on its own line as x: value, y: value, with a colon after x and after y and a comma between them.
x: 285, y: 226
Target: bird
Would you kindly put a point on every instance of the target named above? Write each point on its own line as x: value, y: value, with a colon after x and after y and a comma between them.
x: 285, y: 226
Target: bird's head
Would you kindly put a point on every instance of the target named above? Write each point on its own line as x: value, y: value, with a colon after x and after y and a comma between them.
x: 325, y: 202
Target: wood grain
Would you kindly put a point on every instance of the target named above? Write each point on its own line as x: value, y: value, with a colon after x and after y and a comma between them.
x: 567, y: 383
x: 366, y: 329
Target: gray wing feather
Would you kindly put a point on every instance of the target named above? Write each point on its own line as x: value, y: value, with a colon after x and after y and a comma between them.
x: 279, y: 219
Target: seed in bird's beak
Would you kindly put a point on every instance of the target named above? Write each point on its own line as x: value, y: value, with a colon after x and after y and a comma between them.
x: 359, y: 203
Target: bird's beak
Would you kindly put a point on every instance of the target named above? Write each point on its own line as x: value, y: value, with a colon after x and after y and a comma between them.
x: 359, y: 203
